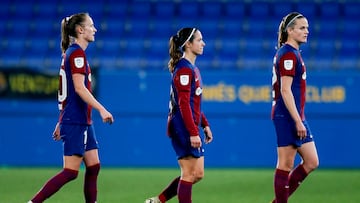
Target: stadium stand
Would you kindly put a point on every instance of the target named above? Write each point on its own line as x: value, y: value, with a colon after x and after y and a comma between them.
x: 134, y: 34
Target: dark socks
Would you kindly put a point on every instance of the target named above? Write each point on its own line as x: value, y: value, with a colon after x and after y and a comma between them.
x: 281, y: 185
x: 296, y: 177
x: 184, y: 191
x: 170, y: 191
x: 54, y: 184
x: 90, y: 183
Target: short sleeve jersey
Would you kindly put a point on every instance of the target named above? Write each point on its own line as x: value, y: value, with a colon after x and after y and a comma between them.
x: 73, y: 110
x: 186, y: 91
x: 288, y: 62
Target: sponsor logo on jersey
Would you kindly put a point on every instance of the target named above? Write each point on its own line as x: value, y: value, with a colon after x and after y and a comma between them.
x: 198, y: 91
x: 304, y: 76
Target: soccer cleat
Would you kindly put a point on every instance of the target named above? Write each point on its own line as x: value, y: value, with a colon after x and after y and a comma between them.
x: 153, y: 200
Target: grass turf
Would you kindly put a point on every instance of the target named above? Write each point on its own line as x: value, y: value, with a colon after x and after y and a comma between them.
x: 132, y: 185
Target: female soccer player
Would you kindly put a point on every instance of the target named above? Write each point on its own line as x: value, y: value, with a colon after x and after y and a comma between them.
x: 76, y: 101
x: 289, y: 90
x: 185, y: 115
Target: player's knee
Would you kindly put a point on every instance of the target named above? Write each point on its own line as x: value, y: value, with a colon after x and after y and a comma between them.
x: 93, y: 170
x: 312, y: 165
x: 198, y: 176
x: 70, y: 174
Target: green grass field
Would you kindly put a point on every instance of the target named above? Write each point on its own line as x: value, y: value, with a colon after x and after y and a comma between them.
x: 133, y: 185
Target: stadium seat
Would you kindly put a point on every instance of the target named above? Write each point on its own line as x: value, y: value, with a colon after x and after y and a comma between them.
x: 141, y: 9
x: 212, y: 10
x: 164, y: 10
x: 188, y: 10
x: 308, y: 9
x: 235, y: 10
x: 329, y: 10
x: 259, y: 10
x: 351, y: 10
x: 281, y: 9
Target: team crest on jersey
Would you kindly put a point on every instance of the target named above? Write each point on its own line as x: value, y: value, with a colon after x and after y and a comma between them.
x: 79, y: 62
x: 288, y: 64
x: 184, y: 79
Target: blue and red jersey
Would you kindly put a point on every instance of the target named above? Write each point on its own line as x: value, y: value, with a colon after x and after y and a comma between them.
x: 73, y: 110
x: 185, y: 98
x: 288, y: 62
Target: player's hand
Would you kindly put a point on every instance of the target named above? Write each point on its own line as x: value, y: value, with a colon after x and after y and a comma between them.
x: 56, y: 134
x: 106, y: 116
x: 301, y: 130
x: 195, y: 141
x: 208, y: 135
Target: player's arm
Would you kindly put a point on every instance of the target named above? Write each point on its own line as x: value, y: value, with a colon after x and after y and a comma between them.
x: 182, y: 81
x: 206, y: 127
x: 288, y: 97
x: 87, y: 97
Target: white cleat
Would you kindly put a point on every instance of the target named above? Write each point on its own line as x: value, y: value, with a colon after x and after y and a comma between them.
x: 153, y: 200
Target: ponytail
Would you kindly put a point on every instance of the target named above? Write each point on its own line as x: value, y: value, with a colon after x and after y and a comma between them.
x: 68, y: 29
x: 177, y: 45
x: 286, y: 22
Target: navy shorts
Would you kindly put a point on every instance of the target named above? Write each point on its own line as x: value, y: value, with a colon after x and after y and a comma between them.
x: 77, y: 139
x: 180, y: 140
x: 287, y: 135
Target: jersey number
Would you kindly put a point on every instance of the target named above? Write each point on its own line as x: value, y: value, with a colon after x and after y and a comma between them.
x: 62, y: 93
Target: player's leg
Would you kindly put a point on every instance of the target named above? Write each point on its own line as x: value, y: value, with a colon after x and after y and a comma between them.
x: 69, y: 172
x: 310, y: 162
x: 92, y: 163
x: 168, y: 193
x: 285, y: 162
x: 191, y: 172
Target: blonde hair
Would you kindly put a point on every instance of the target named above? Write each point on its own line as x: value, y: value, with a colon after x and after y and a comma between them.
x: 68, y: 29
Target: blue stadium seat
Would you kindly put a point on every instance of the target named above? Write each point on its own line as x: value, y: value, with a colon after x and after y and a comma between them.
x: 230, y: 48
x: 46, y: 10
x: 164, y: 10
x: 210, y: 28
x: 351, y: 10
x: 116, y: 11
x: 212, y: 10
x: 233, y: 28
x: 281, y: 9
x: 137, y: 28
x: 330, y: 10
x: 161, y: 29
x: 259, y: 10
x: 308, y: 9
x: 350, y: 29
x: 235, y: 10
x: 111, y: 28
x: 325, y: 49
x: 141, y: 9
x: 188, y: 10
x: 17, y: 28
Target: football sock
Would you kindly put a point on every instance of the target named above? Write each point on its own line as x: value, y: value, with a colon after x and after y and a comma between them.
x: 170, y: 191
x: 184, y: 191
x: 296, y: 177
x: 90, y: 183
x: 54, y: 184
x: 281, y: 185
